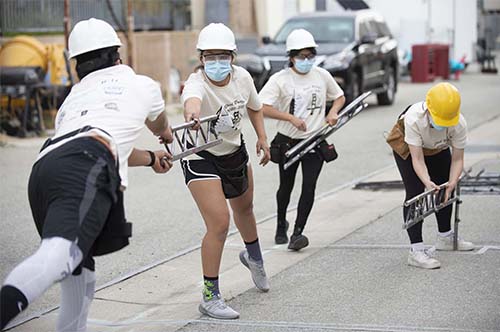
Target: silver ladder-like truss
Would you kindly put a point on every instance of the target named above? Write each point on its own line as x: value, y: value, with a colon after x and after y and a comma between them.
x: 188, y: 141
x: 430, y: 202
x: 302, y: 148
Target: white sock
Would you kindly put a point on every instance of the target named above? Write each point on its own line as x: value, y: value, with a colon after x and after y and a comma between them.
x: 419, y: 246
x: 446, y: 234
x: 76, y: 296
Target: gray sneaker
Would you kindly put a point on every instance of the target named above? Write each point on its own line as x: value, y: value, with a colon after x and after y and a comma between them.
x: 217, y: 308
x: 257, y: 269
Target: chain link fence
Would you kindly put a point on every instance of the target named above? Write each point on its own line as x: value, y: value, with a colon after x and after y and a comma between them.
x: 42, y: 16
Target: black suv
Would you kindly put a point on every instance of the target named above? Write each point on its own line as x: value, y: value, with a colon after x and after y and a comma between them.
x: 356, y: 47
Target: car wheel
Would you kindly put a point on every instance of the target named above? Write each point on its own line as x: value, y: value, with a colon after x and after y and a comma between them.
x: 387, y: 97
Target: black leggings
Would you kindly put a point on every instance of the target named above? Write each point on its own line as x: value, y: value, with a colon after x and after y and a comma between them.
x: 439, y: 170
x: 311, y: 167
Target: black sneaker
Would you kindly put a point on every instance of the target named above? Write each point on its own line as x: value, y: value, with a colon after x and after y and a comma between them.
x: 281, y: 229
x: 298, y: 242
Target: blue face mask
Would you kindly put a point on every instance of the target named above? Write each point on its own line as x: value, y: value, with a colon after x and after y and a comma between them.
x: 304, y: 66
x: 435, y: 126
x: 217, y: 70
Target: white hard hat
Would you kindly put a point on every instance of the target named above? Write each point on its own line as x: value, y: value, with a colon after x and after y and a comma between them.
x: 299, y: 39
x: 90, y: 35
x: 216, y: 36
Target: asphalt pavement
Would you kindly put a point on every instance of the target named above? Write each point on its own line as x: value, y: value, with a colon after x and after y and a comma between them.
x: 354, y: 275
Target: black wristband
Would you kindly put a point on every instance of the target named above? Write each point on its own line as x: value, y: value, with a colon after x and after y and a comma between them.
x: 153, y: 158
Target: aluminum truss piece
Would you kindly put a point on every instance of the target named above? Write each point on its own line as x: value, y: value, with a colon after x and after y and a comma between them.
x: 425, y: 204
x: 302, y: 148
x: 188, y: 141
x: 430, y: 202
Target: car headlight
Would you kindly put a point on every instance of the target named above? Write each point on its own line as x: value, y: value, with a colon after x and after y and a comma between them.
x: 339, y: 61
x: 250, y: 62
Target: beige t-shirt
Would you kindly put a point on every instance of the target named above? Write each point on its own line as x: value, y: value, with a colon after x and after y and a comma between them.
x: 310, y: 93
x: 419, y: 131
x: 231, y: 101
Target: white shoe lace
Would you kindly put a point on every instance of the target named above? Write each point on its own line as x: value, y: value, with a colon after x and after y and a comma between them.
x: 217, y: 303
x: 425, y: 254
x: 430, y: 252
x: 220, y: 304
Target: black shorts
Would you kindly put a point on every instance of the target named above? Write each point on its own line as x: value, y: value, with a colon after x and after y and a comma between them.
x: 198, y: 169
x: 71, y: 193
x: 231, y: 170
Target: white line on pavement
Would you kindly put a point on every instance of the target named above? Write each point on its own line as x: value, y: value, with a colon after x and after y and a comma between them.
x: 302, y: 326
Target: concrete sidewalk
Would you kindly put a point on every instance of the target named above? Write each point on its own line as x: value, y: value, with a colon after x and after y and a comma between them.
x: 353, y: 276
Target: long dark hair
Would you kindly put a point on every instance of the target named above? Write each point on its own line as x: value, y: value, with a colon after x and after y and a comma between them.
x: 293, y: 53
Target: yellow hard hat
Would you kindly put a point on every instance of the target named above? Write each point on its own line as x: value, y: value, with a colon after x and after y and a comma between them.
x: 443, y: 103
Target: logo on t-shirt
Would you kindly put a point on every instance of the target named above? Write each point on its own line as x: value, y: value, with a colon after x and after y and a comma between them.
x: 112, y: 86
x: 315, y: 104
x: 307, y: 101
x: 229, y: 116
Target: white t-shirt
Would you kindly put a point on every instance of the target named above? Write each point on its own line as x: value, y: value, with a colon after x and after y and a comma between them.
x: 310, y: 93
x: 419, y: 131
x: 116, y: 100
x: 231, y: 100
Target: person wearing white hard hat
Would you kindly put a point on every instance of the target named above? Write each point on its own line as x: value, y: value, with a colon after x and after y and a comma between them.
x: 76, y: 184
x: 297, y: 97
x: 222, y: 172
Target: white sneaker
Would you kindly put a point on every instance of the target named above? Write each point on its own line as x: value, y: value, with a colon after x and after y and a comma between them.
x: 259, y: 276
x: 423, y: 259
x: 446, y: 243
x: 217, y: 308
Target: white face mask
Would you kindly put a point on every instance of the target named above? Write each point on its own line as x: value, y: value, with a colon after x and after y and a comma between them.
x: 304, y: 66
x: 435, y: 126
x: 217, y: 70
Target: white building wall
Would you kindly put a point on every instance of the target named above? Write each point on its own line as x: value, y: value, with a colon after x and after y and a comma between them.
x: 307, y: 6
x: 465, y: 29
x: 453, y: 22
x: 271, y: 14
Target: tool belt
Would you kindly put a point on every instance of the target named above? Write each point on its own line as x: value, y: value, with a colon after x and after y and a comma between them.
x: 327, y: 151
x: 396, y: 139
x: 279, y: 145
x: 232, y: 169
x: 282, y: 143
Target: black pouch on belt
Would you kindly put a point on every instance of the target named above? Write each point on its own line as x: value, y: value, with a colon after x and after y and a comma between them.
x: 232, y: 169
x: 279, y: 146
x: 117, y: 231
x: 327, y: 151
x: 278, y: 150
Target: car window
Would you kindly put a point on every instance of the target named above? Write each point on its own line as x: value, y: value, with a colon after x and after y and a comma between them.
x: 383, y: 30
x: 324, y: 29
x: 369, y: 27
x: 365, y: 29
